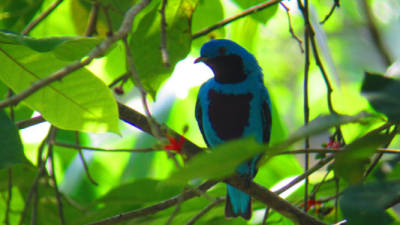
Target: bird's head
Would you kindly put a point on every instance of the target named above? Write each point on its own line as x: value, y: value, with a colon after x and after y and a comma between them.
x: 230, y: 62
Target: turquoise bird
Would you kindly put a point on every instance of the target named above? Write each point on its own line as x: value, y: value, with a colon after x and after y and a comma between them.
x: 231, y: 105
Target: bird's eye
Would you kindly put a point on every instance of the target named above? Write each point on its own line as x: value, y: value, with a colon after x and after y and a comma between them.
x: 222, y: 50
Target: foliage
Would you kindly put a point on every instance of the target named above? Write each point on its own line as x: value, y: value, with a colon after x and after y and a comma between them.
x: 49, y: 176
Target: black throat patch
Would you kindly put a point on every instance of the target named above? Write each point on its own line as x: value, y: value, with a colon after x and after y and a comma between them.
x: 229, y: 114
x: 227, y: 69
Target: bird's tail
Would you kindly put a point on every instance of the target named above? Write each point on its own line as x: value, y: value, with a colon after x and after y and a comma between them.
x: 238, y: 203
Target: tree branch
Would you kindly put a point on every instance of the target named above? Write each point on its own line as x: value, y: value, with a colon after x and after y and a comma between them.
x: 139, y: 121
x: 42, y: 16
x: 272, y: 200
x: 30, y: 122
x: 235, y: 17
x: 99, y: 50
x: 157, y: 207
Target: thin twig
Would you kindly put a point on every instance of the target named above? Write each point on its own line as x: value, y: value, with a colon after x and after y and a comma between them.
x: 12, y: 114
x: 88, y: 148
x: 380, y: 154
x: 42, y: 16
x: 135, y: 78
x: 316, y: 167
x: 151, y: 121
x: 294, y: 36
x: 176, y: 210
x: 330, y: 150
x: 218, y: 201
x: 307, y: 34
x: 337, y: 182
x: 228, y: 20
x: 154, y: 208
x: 99, y: 50
x: 35, y: 205
x: 82, y: 157
x: 108, y: 19
x: 9, y: 197
x: 266, y: 215
x: 336, y: 4
x: 318, y: 61
x: 33, y: 188
x: 164, y: 51
x: 94, y: 14
x: 122, y: 78
x: 52, y: 136
x: 376, y: 37
x: 318, y: 186
x: 30, y: 122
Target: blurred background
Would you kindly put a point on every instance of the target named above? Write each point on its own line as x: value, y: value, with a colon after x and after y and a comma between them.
x: 346, y: 46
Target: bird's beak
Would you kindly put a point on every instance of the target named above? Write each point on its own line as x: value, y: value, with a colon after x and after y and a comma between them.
x: 201, y: 59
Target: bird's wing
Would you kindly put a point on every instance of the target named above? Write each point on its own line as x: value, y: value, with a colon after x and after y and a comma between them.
x: 198, y: 114
x: 267, y: 118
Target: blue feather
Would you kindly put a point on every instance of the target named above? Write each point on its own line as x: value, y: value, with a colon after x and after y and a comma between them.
x: 233, y: 104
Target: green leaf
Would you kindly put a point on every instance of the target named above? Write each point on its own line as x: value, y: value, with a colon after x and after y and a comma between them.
x: 80, y: 101
x: 66, y: 48
x: 383, y: 94
x: 221, y: 162
x: 145, y: 42
x: 322, y: 123
x: 15, y: 14
x: 116, y: 10
x: 135, y: 192
x: 263, y: 15
x: 11, y: 151
x: 40, y: 45
x: 206, y: 14
x: 366, y: 203
x: 350, y: 163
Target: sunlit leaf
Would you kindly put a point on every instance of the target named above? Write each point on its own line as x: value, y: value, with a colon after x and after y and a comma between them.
x: 383, y: 94
x: 367, y: 203
x: 220, y: 163
x: 351, y: 162
x: 11, y: 151
x: 145, y: 42
x: 79, y: 101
